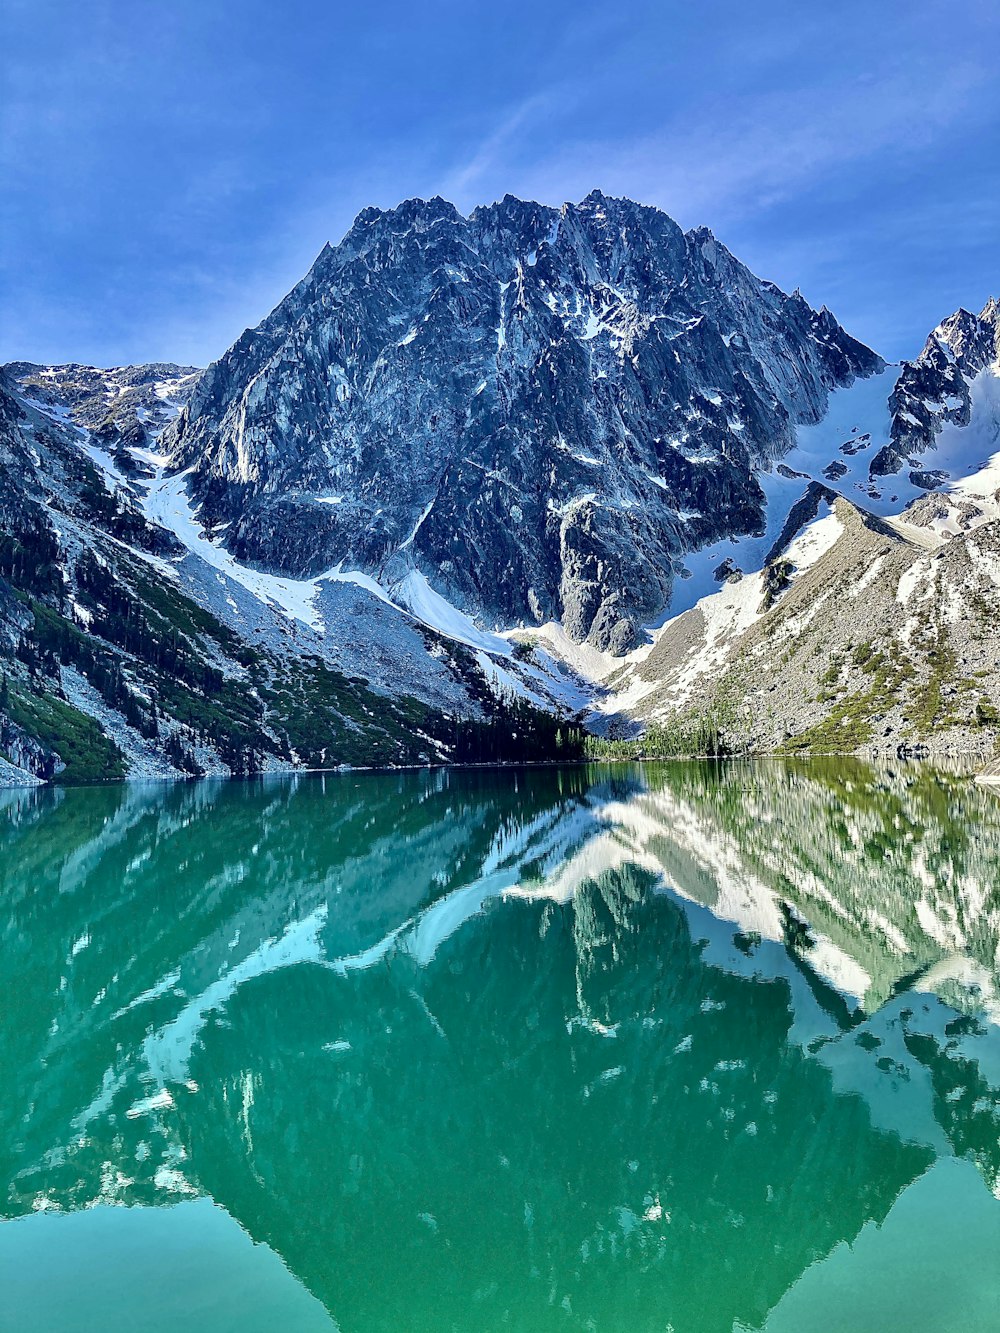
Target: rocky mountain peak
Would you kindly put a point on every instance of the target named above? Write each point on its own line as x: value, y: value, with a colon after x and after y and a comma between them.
x: 936, y: 387
x: 533, y: 411
x: 969, y: 337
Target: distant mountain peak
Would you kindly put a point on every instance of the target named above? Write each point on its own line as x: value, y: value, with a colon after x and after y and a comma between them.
x: 936, y: 387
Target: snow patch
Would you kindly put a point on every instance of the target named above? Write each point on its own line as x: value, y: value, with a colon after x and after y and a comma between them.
x: 168, y: 504
x: 503, y: 681
x: 814, y: 541
x: 911, y: 579
x: 416, y: 527
x: 417, y: 596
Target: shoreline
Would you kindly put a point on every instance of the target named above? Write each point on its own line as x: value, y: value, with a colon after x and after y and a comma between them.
x: 980, y: 767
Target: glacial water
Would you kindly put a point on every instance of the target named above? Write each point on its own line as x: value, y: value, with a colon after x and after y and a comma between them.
x: 682, y: 1047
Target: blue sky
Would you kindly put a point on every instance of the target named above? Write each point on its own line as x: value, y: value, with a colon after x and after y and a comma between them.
x: 170, y: 170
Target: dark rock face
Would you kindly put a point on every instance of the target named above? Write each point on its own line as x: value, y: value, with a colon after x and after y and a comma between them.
x: 789, y: 473
x: 538, y: 410
x: 121, y: 651
x: 935, y: 388
x: 727, y: 572
x: 26, y: 752
x: 929, y: 481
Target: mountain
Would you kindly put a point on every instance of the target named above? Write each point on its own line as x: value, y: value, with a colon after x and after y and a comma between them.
x: 534, y: 412
x: 125, y: 652
x: 869, y: 624
x: 431, y: 509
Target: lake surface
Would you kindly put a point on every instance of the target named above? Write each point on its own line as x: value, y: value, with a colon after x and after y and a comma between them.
x: 681, y: 1047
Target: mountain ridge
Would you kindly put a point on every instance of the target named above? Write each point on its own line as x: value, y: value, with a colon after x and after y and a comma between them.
x: 860, y: 630
x: 148, y: 627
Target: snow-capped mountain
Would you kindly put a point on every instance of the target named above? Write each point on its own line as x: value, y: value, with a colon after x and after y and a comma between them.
x: 436, y: 504
x: 535, y: 412
x: 130, y: 645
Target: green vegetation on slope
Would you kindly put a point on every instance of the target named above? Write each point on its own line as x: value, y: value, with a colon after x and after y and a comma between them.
x: 188, y: 683
x: 88, y: 754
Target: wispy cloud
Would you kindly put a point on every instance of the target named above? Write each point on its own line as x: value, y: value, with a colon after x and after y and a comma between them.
x: 490, y: 156
x: 736, y: 155
x: 167, y: 180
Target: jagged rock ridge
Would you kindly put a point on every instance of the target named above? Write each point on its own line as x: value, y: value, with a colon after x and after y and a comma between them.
x: 122, y: 410
x: 536, y: 411
x: 934, y: 389
x: 860, y: 633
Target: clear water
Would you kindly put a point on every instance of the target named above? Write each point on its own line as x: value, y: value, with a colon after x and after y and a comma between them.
x: 679, y: 1047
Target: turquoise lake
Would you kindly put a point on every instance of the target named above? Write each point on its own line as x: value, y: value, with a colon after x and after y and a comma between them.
x: 687, y: 1047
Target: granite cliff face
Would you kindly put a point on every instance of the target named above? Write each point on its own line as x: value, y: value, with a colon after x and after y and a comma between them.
x: 129, y: 647
x: 537, y: 412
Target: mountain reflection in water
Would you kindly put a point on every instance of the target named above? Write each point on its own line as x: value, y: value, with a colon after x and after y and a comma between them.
x: 595, y: 1048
